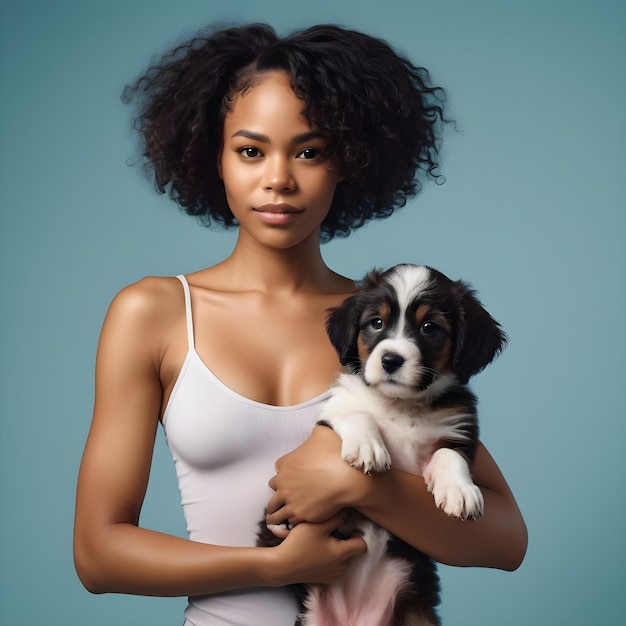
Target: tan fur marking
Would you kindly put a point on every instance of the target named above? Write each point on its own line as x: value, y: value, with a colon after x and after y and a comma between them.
x: 361, y: 348
x: 424, y: 313
x: 385, y: 312
x: 421, y: 314
x: 442, y: 362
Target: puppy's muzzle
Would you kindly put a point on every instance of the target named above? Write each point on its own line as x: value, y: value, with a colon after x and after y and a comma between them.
x: 392, y: 362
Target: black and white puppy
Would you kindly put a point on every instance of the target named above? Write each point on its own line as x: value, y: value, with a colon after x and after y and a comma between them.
x: 410, y: 339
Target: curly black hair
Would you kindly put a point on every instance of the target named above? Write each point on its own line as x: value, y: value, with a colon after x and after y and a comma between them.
x: 380, y: 114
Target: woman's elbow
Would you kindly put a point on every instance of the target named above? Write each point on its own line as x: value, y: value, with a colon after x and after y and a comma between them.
x: 86, y: 576
x: 89, y: 567
x: 514, y: 552
x: 87, y: 573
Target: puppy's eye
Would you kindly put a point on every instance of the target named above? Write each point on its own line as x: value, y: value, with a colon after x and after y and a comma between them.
x: 428, y: 328
x: 377, y: 323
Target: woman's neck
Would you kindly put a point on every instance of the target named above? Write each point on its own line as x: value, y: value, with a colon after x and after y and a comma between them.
x: 281, y: 271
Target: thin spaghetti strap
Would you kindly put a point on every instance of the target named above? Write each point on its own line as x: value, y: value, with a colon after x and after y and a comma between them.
x: 185, y: 284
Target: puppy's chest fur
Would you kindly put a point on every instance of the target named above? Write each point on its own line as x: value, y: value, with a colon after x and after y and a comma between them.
x: 412, y: 439
x: 411, y: 430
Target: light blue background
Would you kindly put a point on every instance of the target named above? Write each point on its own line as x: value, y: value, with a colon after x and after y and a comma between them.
x: 533, y: 213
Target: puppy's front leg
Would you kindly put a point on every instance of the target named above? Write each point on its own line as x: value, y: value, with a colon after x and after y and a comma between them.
x: 348, y: 413
x: 449, y: 480
x: 361, y: 443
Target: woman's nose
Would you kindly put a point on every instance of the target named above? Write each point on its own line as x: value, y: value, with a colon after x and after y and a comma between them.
x: 278, y: 175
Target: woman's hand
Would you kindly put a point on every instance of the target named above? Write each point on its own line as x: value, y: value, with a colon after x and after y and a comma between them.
x: 310, y: 554
x: 313, y: 483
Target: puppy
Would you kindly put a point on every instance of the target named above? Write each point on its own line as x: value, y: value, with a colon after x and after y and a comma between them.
x: 410, y: 339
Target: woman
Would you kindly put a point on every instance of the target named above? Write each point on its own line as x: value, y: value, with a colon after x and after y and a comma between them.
x: 293, y: 141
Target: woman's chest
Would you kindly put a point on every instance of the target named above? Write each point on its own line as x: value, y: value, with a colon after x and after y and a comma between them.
x: 271, y: 351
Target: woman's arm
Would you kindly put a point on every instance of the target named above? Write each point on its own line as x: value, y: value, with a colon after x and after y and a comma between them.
x: 313, y: 482
x: 112, y: 553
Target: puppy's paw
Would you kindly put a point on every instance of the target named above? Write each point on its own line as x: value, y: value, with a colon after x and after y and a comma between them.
x: 279, y: 530
x: 461, y: 500
x: 368, y: 456
x: 449, y: 480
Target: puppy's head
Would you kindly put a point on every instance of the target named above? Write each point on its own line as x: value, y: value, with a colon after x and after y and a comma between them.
x: 411, y: 329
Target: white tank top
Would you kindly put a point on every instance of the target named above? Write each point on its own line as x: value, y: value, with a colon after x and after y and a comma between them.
x: 224, y: 447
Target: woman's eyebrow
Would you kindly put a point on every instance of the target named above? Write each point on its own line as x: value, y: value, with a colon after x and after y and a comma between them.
x: 261, y: 138
x: 312, y: 134
x: 248, y: 134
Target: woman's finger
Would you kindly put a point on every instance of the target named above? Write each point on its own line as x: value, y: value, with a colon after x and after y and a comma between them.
x: 275, y: 503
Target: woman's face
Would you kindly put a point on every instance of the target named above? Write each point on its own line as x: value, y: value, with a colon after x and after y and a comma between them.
x: 278, y: 178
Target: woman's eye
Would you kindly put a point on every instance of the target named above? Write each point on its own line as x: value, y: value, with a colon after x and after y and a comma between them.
x: 377, y: 323
x: 250, y: 153
x: 309, y: 153
x: 428, y: 328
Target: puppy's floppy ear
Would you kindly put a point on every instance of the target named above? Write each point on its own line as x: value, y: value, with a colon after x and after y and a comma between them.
x: 480, y: 338
x: 343, y: 322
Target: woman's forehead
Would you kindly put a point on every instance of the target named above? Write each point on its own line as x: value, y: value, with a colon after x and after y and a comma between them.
x: 268, y: 107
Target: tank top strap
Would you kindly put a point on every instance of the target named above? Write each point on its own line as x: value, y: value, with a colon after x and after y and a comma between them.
x: 190, y: 337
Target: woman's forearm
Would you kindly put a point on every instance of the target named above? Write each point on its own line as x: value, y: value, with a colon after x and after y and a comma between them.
x: 124, y: 558
x: 401, y: 503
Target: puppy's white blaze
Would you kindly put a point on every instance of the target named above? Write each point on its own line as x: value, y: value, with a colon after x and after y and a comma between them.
x: 365, y: 595
x: 407, y: 282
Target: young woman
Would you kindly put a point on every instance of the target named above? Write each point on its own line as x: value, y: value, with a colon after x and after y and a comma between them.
x: 293, y: 141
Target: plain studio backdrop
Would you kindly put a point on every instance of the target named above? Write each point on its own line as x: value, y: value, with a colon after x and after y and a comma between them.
x: 532, y: 213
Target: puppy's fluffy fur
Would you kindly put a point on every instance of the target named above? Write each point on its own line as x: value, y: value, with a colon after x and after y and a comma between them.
x: 410, y: 339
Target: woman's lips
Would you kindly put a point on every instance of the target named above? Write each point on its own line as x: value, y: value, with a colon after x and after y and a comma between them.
x: 277, y: 213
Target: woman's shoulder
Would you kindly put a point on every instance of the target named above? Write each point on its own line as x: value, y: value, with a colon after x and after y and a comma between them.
x: 151, y: 299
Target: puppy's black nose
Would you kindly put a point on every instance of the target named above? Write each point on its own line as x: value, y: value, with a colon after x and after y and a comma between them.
x: 391, y: 362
